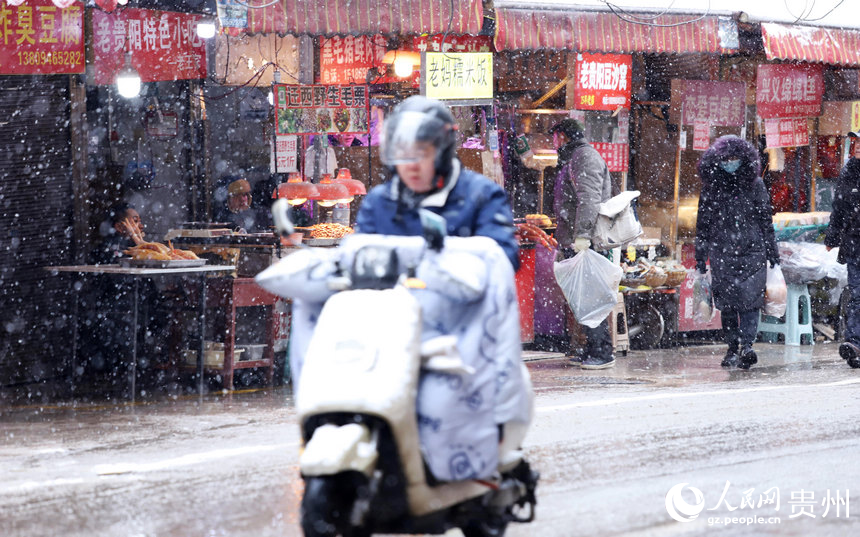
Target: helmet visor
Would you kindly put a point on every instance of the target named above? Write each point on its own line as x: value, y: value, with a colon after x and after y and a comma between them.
x: 410, y: 137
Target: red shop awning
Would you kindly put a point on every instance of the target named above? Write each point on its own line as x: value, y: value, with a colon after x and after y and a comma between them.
x: 519, y: 28
x: 811, y: 44
x: 356, y: 17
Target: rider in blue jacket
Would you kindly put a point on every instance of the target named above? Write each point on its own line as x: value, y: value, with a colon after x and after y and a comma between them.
x: 419, y: 152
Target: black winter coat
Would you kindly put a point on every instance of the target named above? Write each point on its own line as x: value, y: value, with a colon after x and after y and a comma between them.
x: 734, y: 228
x: 844, y: 228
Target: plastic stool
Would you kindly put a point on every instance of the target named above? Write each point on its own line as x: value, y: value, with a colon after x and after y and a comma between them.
x: 618, y: 326
x: 798, y: 317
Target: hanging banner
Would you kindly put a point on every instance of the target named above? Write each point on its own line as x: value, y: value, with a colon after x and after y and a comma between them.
x: 784, y: 90
x: 38, y: 38
x: 855, y: 116
x: 602, y: 81
x: 705, y: 102
x: 701, y: 136
x: 319, y: 109
x: 616, y: 156
x: 286, y: 154
x: 786, y: 132
x: 453, y: 43
x: 458, y: 76
x: 163, y: 45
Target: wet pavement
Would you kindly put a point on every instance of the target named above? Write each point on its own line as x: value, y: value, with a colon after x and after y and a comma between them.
x: 610, y: 444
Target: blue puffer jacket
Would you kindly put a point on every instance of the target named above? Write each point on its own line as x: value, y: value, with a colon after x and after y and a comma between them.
x: 474, y: 206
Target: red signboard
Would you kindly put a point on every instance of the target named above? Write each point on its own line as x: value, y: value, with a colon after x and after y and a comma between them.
x: 784, y: 90
x: 786, y: 132
x: 602, y: 81
x: 708, y: 103
x: 345, y: 60
x: 163, y: 45
x: 38, y: 38
x: 615, y: 155
x: 317, y: 109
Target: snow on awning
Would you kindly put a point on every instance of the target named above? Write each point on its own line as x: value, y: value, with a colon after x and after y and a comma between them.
x: 811, y: 44
x: 522, y: 28
x: 356, y: 17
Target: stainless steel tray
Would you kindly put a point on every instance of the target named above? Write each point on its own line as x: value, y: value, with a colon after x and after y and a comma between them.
x: 161, y: 263
x: 321, y: 242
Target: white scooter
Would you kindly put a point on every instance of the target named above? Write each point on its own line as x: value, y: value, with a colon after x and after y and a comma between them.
x: 411, y: 395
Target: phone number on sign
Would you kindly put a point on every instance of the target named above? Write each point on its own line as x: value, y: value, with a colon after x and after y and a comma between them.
x: 61, y: 57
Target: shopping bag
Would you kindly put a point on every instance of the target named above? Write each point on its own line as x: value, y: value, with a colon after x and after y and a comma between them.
x: 589, y: 282
x: 703, y: 298
x: 616, y: 222
x: 775, y: 293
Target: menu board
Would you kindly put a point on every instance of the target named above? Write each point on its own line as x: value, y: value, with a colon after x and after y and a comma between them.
x: 321, y: 108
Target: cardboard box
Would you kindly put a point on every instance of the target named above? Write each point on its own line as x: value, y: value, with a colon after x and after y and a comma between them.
x: 211, y: 358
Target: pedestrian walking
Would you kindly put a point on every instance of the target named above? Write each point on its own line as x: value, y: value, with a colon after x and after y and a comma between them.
x: 844, y: 232
x: 734, y: 229
x: 582, y: 184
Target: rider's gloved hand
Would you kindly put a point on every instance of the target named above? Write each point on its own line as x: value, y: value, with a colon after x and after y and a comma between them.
x: 580, y: 244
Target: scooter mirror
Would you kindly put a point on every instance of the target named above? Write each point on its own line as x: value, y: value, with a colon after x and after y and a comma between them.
x: 281, y: 218
x: 434, y: 228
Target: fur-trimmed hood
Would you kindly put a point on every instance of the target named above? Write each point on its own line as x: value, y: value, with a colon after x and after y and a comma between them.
x: 729, y: 148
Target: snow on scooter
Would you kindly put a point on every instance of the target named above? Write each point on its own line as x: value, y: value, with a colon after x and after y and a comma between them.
x: 410, y: 389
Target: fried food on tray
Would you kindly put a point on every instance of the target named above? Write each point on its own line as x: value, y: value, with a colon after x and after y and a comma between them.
x: 330, y: 231
x: 158, y: 251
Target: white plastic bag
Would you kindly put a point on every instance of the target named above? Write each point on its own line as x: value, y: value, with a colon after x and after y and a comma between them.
x: 616, y: 222
x: 775, y: 293
x: 589, y: 282
x: 703, y: 298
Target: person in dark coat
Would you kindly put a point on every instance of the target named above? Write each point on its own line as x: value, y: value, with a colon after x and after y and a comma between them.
x: 419, y: 151
x: 583, y: 182
x: 121, y: 230
x: 734, y: 229
x: 844, y: 232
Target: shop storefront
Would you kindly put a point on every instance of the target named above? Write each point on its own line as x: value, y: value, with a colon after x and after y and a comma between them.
x: 41, y: 58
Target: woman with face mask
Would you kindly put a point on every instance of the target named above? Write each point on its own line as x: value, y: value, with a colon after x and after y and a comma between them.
x: 734, y: 229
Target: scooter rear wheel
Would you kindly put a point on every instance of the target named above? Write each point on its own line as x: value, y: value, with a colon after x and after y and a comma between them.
x: 326, y: 507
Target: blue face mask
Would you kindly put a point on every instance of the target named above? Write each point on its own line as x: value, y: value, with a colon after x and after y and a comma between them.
x: 730, y: 166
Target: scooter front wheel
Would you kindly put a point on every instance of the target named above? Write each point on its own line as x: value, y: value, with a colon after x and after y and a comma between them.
x: 493, y: 527
x: 326, y: 507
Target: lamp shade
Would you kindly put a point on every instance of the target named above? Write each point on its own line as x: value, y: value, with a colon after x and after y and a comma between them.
x: 296, y: 191
x: 354, y: 186
x: 330, y: 194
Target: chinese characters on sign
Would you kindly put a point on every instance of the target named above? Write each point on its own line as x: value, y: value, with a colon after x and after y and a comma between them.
x: 38, y: 38
x: 786, y: 132
x: 345, y: 60
x: 615, y: 155
x: 701, y: 136
x: 316, y: 109
x: 602, y: 81
x: 789, y: 90
x: 286, y: 154
x: 457, y: 75
x: 163, y: 45
x: 708, y: 103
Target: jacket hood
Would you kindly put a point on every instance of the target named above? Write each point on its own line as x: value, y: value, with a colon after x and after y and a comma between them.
x: 729, y: 148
